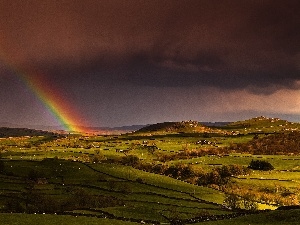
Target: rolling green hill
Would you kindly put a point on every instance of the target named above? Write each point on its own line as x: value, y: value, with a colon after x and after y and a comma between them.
x: 254, y: 125
x: 175, y: 127
x: 162, y: 174
x: 262, y: 124
x: 19, y: 132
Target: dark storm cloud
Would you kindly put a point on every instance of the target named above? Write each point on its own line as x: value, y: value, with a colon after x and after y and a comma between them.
x: 226, y: 44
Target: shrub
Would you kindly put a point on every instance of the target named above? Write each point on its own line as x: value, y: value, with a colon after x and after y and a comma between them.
x: 232, y: 170
x: 234, y: 201
x: 180, y: 171
x: 97, y: 158
x: 12, y: 205
x: 260, y: 165
x: 139, y: 180
x: 222, y: 175
x: 130, y: 160
x: 1, y: 166
x: 34, y: 175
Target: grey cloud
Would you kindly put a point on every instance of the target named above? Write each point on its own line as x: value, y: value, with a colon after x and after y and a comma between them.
x: 233, y: 45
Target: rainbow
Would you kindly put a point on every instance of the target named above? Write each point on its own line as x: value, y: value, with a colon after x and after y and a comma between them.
x: 54, y: 101
x: 61, y: 109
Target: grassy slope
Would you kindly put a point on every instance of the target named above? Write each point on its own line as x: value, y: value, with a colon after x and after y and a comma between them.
x: 155, y: 197
x: 148, y: 200
x: 262, y: 124
x: 30, y: 219
x: 278, y: 217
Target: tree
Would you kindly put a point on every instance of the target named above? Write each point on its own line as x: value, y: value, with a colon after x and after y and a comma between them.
x: 130, y: 160
x: 97, y: 158
x: 233, y: 201
x: 260, y: 165
x: 151, y: 148
x: 35, y: 175
x: 2, y: 167
x: 221, y: 175
x: 185, y: 171
x: 13, y: 205
x: 250, y: 205
x: 159, y: 169
x: 172, y: 171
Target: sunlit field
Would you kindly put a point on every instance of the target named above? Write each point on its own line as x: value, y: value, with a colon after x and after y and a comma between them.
x: 159, y: 178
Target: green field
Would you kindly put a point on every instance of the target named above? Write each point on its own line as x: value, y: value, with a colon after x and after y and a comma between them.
x: 284, y: 217
x: 153, y: 176
x: 27, y: 219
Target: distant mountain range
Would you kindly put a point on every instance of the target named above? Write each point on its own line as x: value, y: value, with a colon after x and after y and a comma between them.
x: 257, y: 124
x: 215, y: 124
x: 18, y: 132
x: 254, y: 125
x: 15, y: 130
x: 121, y: 129
x: 36, y: 127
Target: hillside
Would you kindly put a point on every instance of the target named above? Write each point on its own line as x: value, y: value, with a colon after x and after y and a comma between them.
x: 250, y: 126
x: 166, y: 173
x: 262, y: 124
x: 175, y: 127
x: 18, y: 132
x: 287, y: 143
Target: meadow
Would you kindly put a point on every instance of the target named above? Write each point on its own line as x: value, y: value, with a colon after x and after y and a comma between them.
x: 180, y: 173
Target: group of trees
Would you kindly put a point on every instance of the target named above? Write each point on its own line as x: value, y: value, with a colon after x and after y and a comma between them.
x: 275, y: 144
x: 272, y: 144
x: 187, y: 154
x: 234, y: 201
x: 278, y: 196
x: 222, y: 175
x: 218, y: 176
x: 178, y: 171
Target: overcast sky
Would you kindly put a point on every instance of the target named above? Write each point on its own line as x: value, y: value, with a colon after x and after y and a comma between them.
x: 123, y: 62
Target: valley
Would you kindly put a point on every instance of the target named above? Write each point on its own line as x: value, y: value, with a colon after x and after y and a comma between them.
x: 168, y: 173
